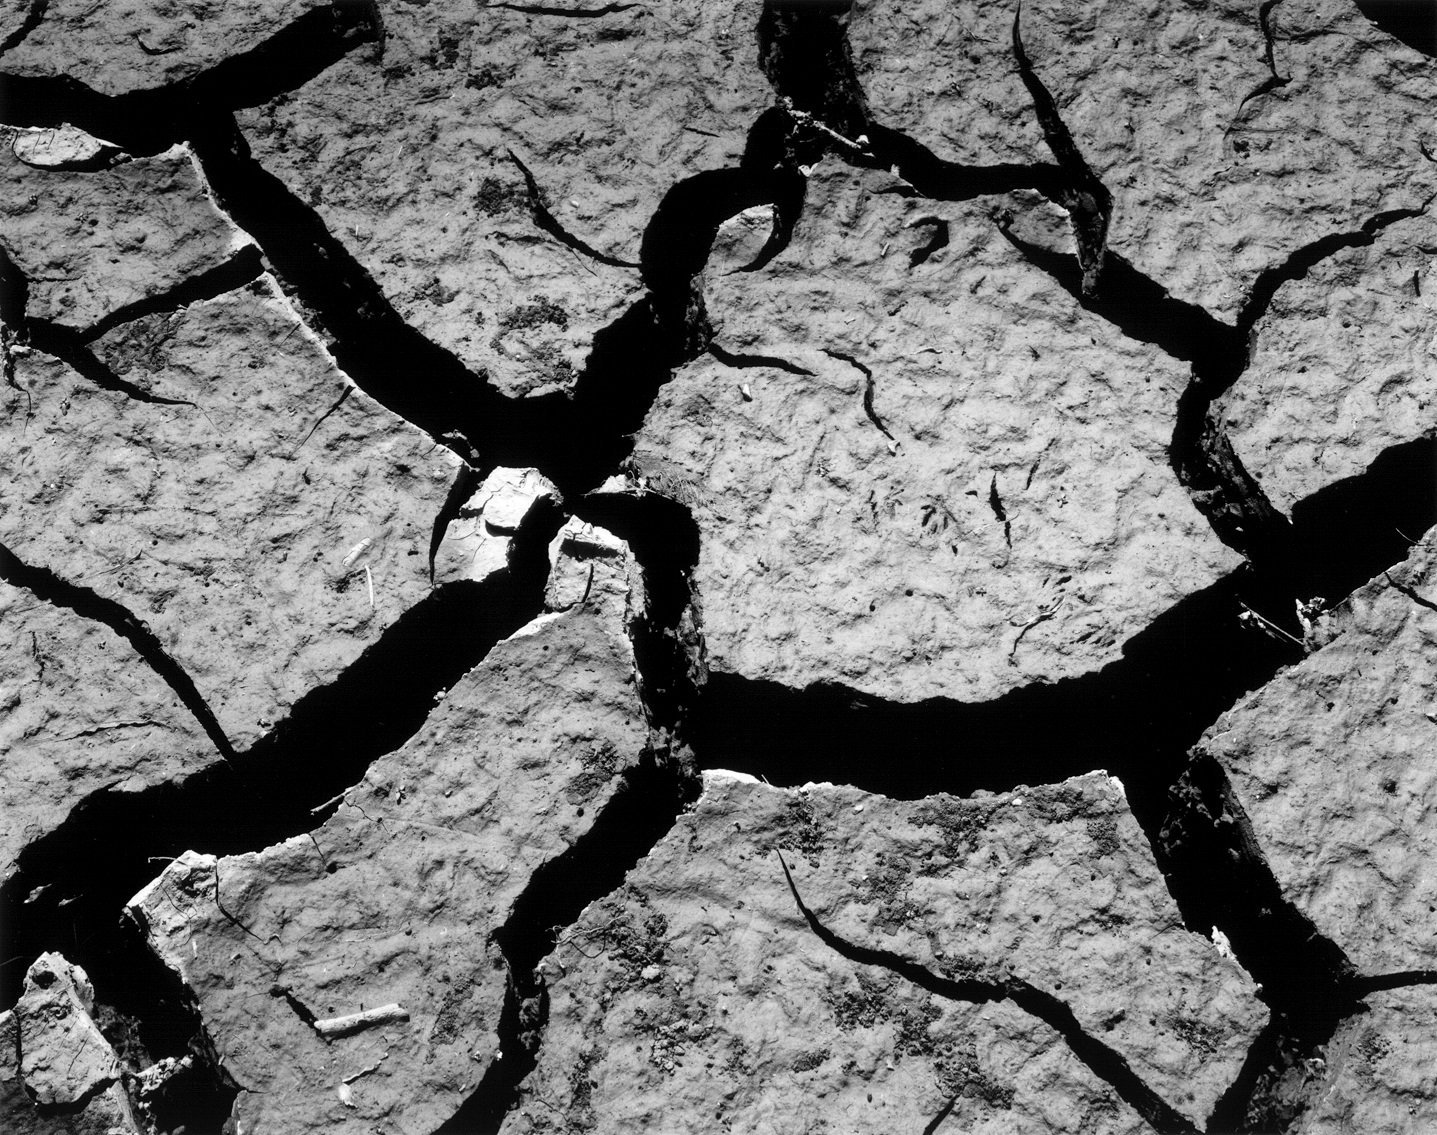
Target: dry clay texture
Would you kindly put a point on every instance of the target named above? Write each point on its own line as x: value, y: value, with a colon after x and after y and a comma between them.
x: 450, y: 449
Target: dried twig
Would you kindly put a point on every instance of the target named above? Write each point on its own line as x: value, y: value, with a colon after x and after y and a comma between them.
x: 357, y: 1022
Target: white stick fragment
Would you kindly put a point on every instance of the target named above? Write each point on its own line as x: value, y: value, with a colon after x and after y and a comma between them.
x: 355, y: 552
x: 366, y: 1070
x: 357, y: 1022
x: 369, y: 579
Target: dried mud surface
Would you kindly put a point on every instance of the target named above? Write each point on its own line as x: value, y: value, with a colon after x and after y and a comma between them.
x: 788, y: 566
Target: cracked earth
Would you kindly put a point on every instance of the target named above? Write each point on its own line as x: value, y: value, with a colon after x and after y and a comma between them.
x: 771, y: 567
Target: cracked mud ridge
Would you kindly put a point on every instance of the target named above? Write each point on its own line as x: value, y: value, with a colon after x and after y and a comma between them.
x: 780, y: 566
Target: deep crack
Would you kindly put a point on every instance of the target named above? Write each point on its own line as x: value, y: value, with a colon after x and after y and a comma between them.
x: 1089, y: 204
x: 33, y: 18
x: 62, y: 897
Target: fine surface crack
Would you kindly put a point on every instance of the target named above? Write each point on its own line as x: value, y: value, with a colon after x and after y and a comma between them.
x: 868, y: 390
x: 1104, y: 1062
x: 550, y: 224
x: 148, y: 121
x: 1274, y: 81
x: 46, y: 585
x: 1411, y: 594
x: 549, y: 10
x: 747, y: 362
x: 242, y: 267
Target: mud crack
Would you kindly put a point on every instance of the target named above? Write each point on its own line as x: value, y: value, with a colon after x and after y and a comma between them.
x: 32, y: 20
x: 1089, y: 204
x: 1201, y: 454
x: 572, y: 13
x: 1142, y: 715
x: 62, y: 897
x: 550, y: 224
x: 755, y: 362
x: 643, y: 809
x: 145, y: 122
x: 44, y: 584
x: 868, y: 391
x: 1104, y: 1062
x: 1274, y: 81
x: 663, y: 627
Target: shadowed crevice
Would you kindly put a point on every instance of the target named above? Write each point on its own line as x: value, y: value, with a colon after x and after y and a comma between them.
x: 664, y: 622
x: 1414, y: 22
x: 1302, y: 260
x: 644, y: 807
x: 1139, y: 713
x: 752, y: 362
x: 32, y: 20
x: 149, y: 121
x: 369, y: 341
x: 942, y: 180
x: 571, y: 13
x: 1089, y: 204
x: 1138, y: 718
x: 679, y: 238
x: 804, y: 53
x: 238, y: 269
x: 1201, y: 453
x: 71, y: 884
x: 69, y: 348
x: 669, y: 667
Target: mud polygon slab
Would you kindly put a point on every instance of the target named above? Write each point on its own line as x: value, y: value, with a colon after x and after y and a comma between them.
x: 88, y: 244
x: 1332, y: 763
x: 247, y: 527
x: 435, y: 209
x: 395, y: 898
x: 1210, y: 185
x: 698, y: 987
x: 1344, y: 365
x: 1009, y: 517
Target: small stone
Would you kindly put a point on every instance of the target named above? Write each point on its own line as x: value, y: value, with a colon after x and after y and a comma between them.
x: 62, y: 147
x: 63, y: 1057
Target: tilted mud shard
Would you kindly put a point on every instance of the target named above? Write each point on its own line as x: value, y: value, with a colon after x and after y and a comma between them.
x: 456, y: 454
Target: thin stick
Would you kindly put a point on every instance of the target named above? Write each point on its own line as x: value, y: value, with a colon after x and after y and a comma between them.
x: 1272, y: 626
x: 355, y: 1022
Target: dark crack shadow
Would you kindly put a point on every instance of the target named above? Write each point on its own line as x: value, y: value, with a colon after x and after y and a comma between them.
x: 1089, y: 204
x: 641, y: 812
x: 62, y: 896
x: 1414, y: 22
x: 145, y: 122
x: 568, y: 13
x: 33, y: 19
